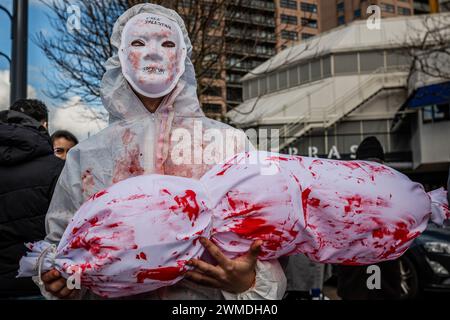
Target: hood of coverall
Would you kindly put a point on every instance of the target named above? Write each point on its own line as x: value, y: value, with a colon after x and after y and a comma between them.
x: 118, y: 97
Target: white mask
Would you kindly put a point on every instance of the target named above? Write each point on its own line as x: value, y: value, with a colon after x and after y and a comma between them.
x: 152, y: 54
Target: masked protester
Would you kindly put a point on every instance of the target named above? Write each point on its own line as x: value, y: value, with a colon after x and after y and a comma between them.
x: 156, y: 126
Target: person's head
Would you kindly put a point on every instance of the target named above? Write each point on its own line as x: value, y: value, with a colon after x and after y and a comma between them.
x: 152, y: 54
x: 120, y: 99
x: 33, y: 108
x: 62, y: 142
x: 370, y: 149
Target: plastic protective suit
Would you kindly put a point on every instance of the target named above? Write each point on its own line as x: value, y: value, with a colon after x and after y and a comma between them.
x: 138, y: 142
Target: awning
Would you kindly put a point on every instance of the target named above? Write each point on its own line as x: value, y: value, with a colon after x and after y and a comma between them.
x: 428, y: 95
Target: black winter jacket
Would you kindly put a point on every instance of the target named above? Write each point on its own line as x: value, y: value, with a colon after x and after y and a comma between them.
x: 28, y: 174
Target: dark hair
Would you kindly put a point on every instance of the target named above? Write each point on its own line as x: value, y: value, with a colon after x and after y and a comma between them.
x: 64, y: 134
x: 31, y: 107
x: 370, y: 148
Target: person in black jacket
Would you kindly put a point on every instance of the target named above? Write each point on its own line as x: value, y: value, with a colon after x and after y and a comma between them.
x: 352, y: 280
x: 28, y: 173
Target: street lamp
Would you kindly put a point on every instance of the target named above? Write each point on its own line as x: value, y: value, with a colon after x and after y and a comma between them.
x: 6, y: 57
x: 18, y: 61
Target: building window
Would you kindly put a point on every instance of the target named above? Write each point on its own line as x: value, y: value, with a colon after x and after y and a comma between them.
x: 404, y: 11
x: 212, y: 108
x: 290, y: 4
x: 436, y: 112
x: 289, y: 19
x: 306, y: 35
x: 397, y: 58
x: 262, y: 86
x: 213, y: 91
x: 304, y: 73
x: 326, y: 66
x: 357, y: 13
x: 341, y: 20
x: 340, y: 7
x: 308, y: 7
x: 273, y: 83
x: 253, y: 88
x: 312, y: 23
x: 316, y: 71
x: 387, y: 8
x: 345, y: 63
x: 233, y: 77
x: 371, y: 61
x: 282, y: 80
x: 234, y: 94
x: 212, y: 74
x: 289, y: 35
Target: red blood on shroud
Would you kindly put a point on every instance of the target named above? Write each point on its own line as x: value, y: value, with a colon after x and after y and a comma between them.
x: 275, y: 158
x: 98, y: 194
x: 188, y: 204
x: 161, y: 274
x: 349, y: 164
x: 226, y: 166
x: 241, y: 207
x: 142, y: 256
x: 93, y: 245
x: 255, y: 228
x: 305, y: 195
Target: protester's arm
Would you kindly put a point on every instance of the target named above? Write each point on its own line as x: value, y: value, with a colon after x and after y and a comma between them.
x: 67, y: 197
x: 270, y: 283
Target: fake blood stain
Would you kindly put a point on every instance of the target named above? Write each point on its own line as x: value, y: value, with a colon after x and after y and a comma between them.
x: 227, y: 166
x: 240, y: 207
x: 188, y: 204
x: 161, y: 274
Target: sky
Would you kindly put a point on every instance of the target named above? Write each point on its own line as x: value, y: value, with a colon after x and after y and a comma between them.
x: 72, y: 115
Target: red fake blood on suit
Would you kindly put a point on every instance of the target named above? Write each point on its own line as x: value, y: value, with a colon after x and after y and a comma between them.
x: 188, y: 204
x: 128, y: 165
x: 161, y: 274
x: 226, y: 166
x: 87, y: 181
x: 166, y: 191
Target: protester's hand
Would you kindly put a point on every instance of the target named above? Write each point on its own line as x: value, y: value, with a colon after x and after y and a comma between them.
x: 232, y: 275
x: 57, y: 285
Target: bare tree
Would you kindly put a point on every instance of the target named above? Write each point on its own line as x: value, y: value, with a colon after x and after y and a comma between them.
x: 79, y: 55
x: 429, y: 47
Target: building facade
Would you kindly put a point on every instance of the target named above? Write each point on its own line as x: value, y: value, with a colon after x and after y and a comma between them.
x: 259, y: 29
x: 325, y: 95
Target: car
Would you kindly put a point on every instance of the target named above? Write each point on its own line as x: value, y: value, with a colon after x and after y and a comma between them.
x: 425, y: 266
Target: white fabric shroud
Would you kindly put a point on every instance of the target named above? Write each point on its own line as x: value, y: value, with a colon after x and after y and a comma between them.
x: 137, y: 235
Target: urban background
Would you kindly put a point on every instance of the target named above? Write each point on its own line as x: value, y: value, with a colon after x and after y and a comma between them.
x: 325, y: 73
